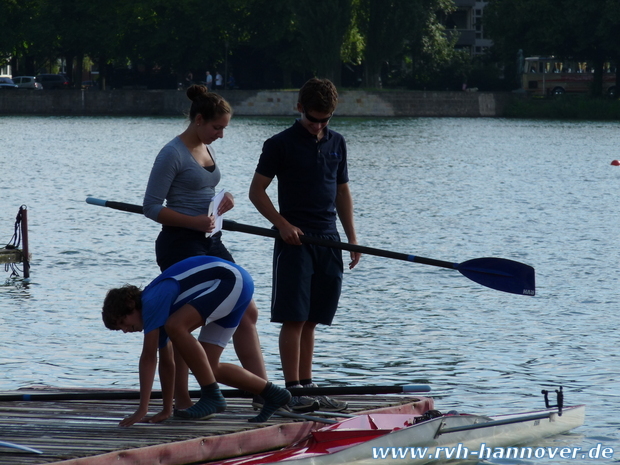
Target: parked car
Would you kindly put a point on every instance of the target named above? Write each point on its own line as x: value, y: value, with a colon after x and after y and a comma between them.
x: 7, y: 83
x: 53, y: 81
x: 28, y: 82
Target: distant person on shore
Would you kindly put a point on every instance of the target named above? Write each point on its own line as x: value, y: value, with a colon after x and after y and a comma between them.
x: 189, y: 79
x: 198, y: 292
x: 310, y: 162
x: 209, y: 81
x: 232, y: 84
x: 184, y: 177
x: 219, y: 81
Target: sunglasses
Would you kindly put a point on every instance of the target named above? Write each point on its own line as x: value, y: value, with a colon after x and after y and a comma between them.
x: 312, y: 119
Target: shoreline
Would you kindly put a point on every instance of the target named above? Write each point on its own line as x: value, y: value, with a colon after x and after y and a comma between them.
x: 129, y: 102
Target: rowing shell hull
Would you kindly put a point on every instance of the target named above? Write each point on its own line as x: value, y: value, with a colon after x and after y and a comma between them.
x: 352, y: 441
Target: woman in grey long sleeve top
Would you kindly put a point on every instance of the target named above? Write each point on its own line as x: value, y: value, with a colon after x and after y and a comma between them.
x: 185, y: 176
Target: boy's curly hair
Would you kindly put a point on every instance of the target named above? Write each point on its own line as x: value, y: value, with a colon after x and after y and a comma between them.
x: 318, y: 95
x: 119, y: 303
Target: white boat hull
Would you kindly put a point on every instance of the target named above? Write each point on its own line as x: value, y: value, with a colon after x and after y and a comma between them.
x: 432, y: 440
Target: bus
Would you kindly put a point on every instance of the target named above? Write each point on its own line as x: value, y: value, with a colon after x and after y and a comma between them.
x: 547, y: 76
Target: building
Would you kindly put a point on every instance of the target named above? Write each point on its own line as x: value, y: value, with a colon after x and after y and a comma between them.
x: 467, y: 20
x: 5, y: 70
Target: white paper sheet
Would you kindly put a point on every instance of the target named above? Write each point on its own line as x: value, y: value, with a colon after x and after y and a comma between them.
x: 213, y: 207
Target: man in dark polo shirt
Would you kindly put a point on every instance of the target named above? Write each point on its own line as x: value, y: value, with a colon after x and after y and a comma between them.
x: 310, y: 162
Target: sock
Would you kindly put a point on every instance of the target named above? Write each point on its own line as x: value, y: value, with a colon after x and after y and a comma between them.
x: 211, y: 401
x: 275, y: 397
x: 305, y: 382
x: 290, y: 384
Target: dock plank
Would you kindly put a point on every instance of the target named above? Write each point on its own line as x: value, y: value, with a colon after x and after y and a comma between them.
x: 80, y: 432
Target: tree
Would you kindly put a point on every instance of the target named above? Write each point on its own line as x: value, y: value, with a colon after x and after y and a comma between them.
x: 322, y: 25
x: 388, y: 26
x: 274, y: 42
x: 271, y: 49
x: 611, y: 23
x: 23, y: 41
x: 11, y: 14
x: 109, y: 22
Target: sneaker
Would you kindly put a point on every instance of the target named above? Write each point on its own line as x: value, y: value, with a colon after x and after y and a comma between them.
x: 303, y: 404
x: 328, y: 404
x: 181, y: 414
x: 274, y: 398
x: 258, y: 402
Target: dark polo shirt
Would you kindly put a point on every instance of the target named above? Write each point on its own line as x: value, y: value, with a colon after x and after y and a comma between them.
x: 308, y: 172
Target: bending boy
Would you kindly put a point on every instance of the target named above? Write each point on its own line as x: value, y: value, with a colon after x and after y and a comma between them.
x: 199, y: 291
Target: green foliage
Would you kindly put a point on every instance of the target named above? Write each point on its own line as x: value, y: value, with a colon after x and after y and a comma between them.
x: 23, y: 30
x: 271, y: 41
x: 435, y: 63
x: 401, y: 31
x: 283, y: 42
x: 322, y: 25
x: 354, y: 44
x: 384, y: 24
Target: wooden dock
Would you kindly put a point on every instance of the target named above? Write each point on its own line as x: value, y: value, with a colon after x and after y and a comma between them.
x: 86, y: 432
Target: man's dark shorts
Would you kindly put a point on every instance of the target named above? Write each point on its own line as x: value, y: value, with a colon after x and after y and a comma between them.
x: 307, y: 281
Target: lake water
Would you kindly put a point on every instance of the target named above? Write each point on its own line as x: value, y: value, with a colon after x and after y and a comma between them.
x: 539, y: 192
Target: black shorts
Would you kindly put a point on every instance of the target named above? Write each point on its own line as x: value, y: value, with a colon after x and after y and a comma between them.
x: 176, y: 244
x: 307, y: 280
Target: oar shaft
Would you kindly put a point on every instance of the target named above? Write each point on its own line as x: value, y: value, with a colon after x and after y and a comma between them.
x: 234, y: 226
x: 265, y: 232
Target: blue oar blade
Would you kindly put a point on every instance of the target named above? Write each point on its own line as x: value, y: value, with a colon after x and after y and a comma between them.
x: 500, y: 274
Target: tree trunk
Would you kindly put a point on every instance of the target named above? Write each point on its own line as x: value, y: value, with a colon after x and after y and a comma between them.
x: 79, y: 69
x: 372, y: 74
x: 617, y: 76
x: 69, y: 68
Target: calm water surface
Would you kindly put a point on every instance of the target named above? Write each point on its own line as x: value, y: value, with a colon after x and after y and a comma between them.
x: 543, y: 193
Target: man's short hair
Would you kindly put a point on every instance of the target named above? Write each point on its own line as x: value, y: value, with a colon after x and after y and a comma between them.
x: 318, y: 95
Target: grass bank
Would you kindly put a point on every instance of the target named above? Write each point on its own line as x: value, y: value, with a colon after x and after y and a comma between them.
x: 575, y: 107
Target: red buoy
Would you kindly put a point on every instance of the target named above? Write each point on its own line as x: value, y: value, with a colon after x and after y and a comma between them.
x: 616, y: 162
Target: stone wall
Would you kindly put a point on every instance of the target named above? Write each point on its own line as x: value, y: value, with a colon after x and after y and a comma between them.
x: 250, y: 103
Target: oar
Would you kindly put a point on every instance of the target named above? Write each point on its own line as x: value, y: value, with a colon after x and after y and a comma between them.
x: 228, y: 393
x: 496, y: 273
